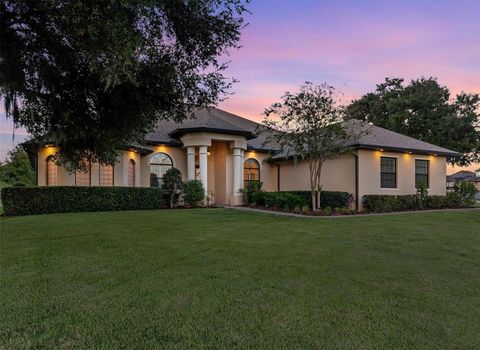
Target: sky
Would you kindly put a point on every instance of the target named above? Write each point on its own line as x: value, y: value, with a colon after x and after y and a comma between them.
x: 352, y: 45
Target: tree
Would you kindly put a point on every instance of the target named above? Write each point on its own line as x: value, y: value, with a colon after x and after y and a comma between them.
x: 309, y: 125
x: 423, y: 110
x: 17, y: 170
x: 93, y: 76
x: 172, y: 183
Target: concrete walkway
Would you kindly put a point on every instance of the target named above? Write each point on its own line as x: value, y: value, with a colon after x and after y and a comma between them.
x: 281, y: 213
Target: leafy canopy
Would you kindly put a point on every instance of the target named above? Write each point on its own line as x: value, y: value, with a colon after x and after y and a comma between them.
x: 309, y: 125
x: 93, y: 76
x: 423, y: 110
x: 17, y: 170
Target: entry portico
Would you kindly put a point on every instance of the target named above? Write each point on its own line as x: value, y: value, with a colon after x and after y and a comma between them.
x: 224, y: 177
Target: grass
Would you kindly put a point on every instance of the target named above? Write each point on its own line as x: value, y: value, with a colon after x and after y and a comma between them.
x: 228, y: 279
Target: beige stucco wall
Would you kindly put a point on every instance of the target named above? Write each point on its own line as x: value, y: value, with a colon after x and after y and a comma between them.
x: 179, y: 160
x: 268, y: 172
x: 369, y: 173
x: 337, y: 175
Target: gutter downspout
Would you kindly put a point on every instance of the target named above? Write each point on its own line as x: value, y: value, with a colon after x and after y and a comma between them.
x: 356, y: 183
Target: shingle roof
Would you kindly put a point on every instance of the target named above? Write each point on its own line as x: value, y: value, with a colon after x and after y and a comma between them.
x: 214, y: 119
x: 472, y: 179
x: 376, y: 137
x: 460, y: 175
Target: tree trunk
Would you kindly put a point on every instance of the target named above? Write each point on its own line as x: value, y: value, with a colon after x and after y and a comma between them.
x: 172, y: 197
x: 314, y: 200
x: 319, y: 193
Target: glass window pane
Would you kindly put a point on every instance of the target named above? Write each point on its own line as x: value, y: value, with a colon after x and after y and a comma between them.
x: 106, y: 175
x: 159, y: 164
x: 82, y: 178
x: 131, y: 173
x: 388, y: 172
x: 52, y: 176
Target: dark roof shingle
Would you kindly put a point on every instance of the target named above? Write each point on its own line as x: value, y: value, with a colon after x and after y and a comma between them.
x: 214, y: 119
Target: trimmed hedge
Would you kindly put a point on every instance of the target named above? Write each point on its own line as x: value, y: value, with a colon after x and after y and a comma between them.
x: 64, y: 199
x: 328, y: 199
x: 284, y: 200
x: 299, y: 199
x: 389, y: 203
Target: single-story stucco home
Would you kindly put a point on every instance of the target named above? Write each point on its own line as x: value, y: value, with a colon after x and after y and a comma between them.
x: 224, y: 151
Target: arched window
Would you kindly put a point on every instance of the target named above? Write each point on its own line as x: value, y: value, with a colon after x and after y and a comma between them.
x: 131, y: 173
x: 159, y: 164
x: 83, y: 178
x: 105, y: 175
x: 52, y: 177
x: 251, y: 171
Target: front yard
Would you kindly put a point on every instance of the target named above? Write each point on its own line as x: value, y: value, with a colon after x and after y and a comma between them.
x: 220, y: 278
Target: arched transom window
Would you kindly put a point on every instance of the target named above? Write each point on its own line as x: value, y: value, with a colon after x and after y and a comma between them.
x: 251, y: 171
x: 131, y: 173
x: 159, y: 164
x: 52, y: 177
x: 105, y: 175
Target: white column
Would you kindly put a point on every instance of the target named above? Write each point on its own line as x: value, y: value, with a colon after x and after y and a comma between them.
x: 237, y: 168
x: 203, y: 167
x: 242, y: 161
x: 191, y: 163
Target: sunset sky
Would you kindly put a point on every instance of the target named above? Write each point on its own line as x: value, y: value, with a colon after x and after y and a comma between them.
x: 352, y: 45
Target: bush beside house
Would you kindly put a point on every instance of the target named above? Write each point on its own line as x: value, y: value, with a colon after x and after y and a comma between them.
x: 193, y: 192
x: 293, y: 200
x: 388, y: 203
x: 64, y: 199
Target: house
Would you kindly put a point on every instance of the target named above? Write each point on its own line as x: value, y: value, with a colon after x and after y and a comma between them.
x: 475, y: 179
x: 225, y: 153
x: 458, y: 176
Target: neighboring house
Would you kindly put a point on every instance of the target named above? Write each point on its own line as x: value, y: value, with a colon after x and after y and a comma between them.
x: 475, y: 179
x: 458, y: 176
x: 224, y: 152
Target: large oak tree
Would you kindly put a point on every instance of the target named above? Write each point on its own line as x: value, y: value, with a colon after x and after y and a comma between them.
x: 424, y: 110
x: 93, y: 76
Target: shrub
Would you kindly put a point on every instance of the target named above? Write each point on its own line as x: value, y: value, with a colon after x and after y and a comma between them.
x: 331, y: 199
x: 173, y: 184
x: 407, y: 202
x: 65, y: 199
x: 380, y: 203
x: 422, y: 194
x: 283, y: 200
x: 194, y: 192
x: 251, y: 188
x: 466, y: 190
x: 388, y: 203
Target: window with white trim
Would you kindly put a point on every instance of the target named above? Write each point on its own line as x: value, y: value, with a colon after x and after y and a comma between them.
x: 388, y: 172
x: 421, y: 172
x: 159, y: 164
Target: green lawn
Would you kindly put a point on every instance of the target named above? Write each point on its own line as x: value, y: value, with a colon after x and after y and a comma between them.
x: 228, y: 279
